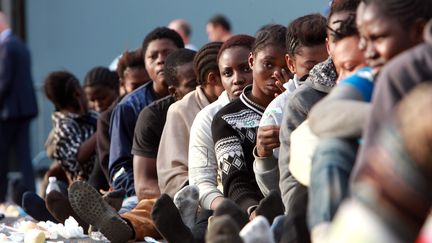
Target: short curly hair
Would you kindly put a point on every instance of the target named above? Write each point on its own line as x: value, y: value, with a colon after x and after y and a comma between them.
x: 162, y: 33
x: 174, y: 60
x: 130, y: 59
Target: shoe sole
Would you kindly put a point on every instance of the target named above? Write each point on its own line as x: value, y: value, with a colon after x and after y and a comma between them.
x: 91, y: 208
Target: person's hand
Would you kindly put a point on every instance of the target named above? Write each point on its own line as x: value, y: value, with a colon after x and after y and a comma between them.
x: 281, y: 78
x: 267, y: 140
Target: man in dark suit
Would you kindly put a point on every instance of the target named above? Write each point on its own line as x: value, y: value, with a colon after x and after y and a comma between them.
x: 17, y: 107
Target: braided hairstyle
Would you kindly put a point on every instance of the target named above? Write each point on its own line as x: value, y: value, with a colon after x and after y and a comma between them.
x: 174, y: 60
x: 130, y: 59
x: 405, y: 11
x: 61, y: 87
x: 236, y: 40
x: 308, y: 30
x: 102, y: 76
x: 271, y: 35
x: 205, y: 61
x: 162, y: 33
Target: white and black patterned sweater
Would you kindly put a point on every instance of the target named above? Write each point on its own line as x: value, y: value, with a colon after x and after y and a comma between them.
x: 234, y: 130
x: 70, y: 130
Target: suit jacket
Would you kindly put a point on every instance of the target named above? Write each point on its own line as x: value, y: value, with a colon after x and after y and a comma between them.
x: 17, y: 95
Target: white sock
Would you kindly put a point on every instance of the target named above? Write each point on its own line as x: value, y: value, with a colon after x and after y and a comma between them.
x: 187, y: 200
x: 256, y: 231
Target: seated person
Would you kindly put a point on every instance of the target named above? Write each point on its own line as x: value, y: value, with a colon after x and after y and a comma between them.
x: 305, y: 47
x: 181, y: 79
x: 132, y: 73
x: 234, y: 126
x: 72, y: 139
x: 74, y: 125
x: 155, y: 48
x: 172, y: 159
x: 322, y: 78
x: 235, y: 75
x: 101, y: 87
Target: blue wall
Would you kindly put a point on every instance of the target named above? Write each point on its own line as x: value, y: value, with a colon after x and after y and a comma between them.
x: 78, y: 35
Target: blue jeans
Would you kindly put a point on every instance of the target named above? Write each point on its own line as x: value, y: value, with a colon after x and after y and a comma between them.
x: 128, y: 204
x: 332, y: 164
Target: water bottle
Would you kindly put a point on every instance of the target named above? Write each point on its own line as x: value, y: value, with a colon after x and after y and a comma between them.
x: 52, y: 185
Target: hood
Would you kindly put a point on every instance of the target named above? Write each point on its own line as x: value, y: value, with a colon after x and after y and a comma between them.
x: 323, y: 76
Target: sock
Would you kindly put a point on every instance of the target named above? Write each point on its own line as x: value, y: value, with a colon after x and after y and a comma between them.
x: 200, y: 228
x: 115, y: 198
x: 58, y: 205
x: 230, y: 208
x: 18, y: 189
x: 34, y: 206
x: 256, y: 231
x: 169, y: 222
x: 223, y: 229
x: 186, y: 200
x: 271, y: 206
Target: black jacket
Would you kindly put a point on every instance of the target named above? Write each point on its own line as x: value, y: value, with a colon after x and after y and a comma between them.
x: 17, y: 96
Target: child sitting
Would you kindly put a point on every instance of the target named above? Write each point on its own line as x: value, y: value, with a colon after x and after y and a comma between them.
x: 73, y: 125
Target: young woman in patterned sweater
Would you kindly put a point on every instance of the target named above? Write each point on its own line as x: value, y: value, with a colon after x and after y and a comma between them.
x: 234, y: 127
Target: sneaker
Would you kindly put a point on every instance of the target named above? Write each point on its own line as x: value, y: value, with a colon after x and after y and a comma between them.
x: 91, y: 208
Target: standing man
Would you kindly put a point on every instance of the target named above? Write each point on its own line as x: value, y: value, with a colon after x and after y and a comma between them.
x: 17, y: 107
x: 218, y: 28
x: 183, y: 28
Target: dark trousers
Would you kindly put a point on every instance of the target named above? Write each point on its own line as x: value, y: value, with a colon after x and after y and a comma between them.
x: 15, y: 137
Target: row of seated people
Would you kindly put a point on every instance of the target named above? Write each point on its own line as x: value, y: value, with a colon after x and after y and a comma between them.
x: 255, y: 139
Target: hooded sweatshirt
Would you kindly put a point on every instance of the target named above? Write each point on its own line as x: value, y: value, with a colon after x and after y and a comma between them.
x: 322, y: 78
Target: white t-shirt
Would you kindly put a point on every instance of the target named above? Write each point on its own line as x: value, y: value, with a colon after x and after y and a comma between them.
x: 203, y: 167
x: 273, y: 113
